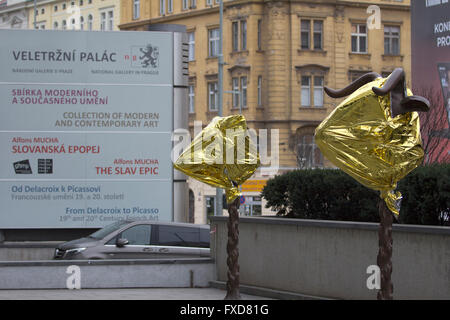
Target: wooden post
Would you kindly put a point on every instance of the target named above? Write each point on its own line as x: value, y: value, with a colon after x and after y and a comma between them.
x: 233, y: 251
x: 384, y: 258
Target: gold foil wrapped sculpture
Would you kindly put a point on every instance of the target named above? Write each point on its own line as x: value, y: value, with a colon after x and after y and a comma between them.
x: 374, y: 134
x: 222, y: 155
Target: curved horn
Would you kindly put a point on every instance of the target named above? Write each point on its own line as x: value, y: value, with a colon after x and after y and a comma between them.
x: 416, y: 103
x: 396, y: 76
x: 352, y: 87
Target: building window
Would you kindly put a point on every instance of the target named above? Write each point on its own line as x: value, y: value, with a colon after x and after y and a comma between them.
x: 64, y: 25
x: 42, y: 11
x: 391, y: 40
x: 64, y: 6
x: 136, y: 9
x: 81, y: 23
x: 239, y: 92
x: 259, y: 91
x: 315, y: 92
x: 55, y: 25
x: 243, y: 35
x: 72, y: 23
x: 90, y: 22
x: 209, y: 2
x: 213, y: 96
x: 191, y: 43
x: 107, y: 20
x: 236, y: 92
x: 316, y: 32
x: 55, y: 8
x: 191, y: 99
x: 193, y: 4
x: 213, y: 41
x: 359, y: 38
x: 185, y: 4
x: 305, y: 33
x: 162, y: 7
x: 110, y: 20
x: 308, y: 154
x: 259, y: 34
x: 306, y: 91
x: 103, y: 21
x: 235, y: 36
x: 244, y: 92
x: 81, y: 3
x: 318, y: 91
x: 90, y: 1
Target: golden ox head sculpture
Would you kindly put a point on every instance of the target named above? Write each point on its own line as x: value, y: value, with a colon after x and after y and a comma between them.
x: 374, y: 134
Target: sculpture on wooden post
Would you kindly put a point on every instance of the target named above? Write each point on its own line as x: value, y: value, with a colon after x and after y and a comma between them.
x: 224, y: 155
x: 374, y: 136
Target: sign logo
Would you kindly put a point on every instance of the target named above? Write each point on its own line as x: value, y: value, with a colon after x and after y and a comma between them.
x: 45, y: 166
x: 145, y: 57
x: 22, y: 167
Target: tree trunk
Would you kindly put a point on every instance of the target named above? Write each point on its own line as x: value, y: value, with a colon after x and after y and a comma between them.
x: 384, y: 258
x: 233, y: 251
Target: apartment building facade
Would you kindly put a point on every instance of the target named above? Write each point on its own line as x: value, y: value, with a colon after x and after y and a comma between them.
x: 279, y: 55
x: 89, y: 15
x: 14, y: 14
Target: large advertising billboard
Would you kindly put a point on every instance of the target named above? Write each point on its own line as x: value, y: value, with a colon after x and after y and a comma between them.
x: 430, y: 53
x: 85, y: 128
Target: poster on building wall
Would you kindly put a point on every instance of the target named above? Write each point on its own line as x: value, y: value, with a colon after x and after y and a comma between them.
x: 430, y: 53
x: 85, y: 128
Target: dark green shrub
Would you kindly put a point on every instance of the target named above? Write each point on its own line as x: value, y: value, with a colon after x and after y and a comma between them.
x: 426, y: 196
x: 331, y: 194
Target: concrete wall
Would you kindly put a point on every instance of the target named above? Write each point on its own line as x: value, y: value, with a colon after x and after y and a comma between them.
x: 108, y: 274
x: 27, y: 251
x: 330, y: 259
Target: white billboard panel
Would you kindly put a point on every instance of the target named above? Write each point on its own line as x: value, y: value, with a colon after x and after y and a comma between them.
x: 85, y: 127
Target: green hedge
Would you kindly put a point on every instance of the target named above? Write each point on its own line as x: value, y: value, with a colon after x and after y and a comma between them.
x: 330, y: 194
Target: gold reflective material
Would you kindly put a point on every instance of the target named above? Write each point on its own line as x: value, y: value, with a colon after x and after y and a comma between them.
x: 223, y: 155
x: 361, y: 138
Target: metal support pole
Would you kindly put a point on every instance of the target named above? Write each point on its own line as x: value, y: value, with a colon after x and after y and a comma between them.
x: 35, y: 10
x: 219, y: 191
x: 233, y: 251
x: 384, y: 258
x: 221, y: 63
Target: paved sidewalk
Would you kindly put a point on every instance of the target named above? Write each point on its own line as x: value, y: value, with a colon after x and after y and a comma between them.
x: 122, y: 294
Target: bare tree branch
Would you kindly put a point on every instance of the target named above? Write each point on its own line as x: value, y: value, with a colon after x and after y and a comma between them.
x: 434, y: 128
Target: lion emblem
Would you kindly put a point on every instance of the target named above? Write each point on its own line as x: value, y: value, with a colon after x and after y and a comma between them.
x: 150, y: 56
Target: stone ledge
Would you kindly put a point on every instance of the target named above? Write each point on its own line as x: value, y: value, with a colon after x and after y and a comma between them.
x: 435, y: 230
x: 266, y: 292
